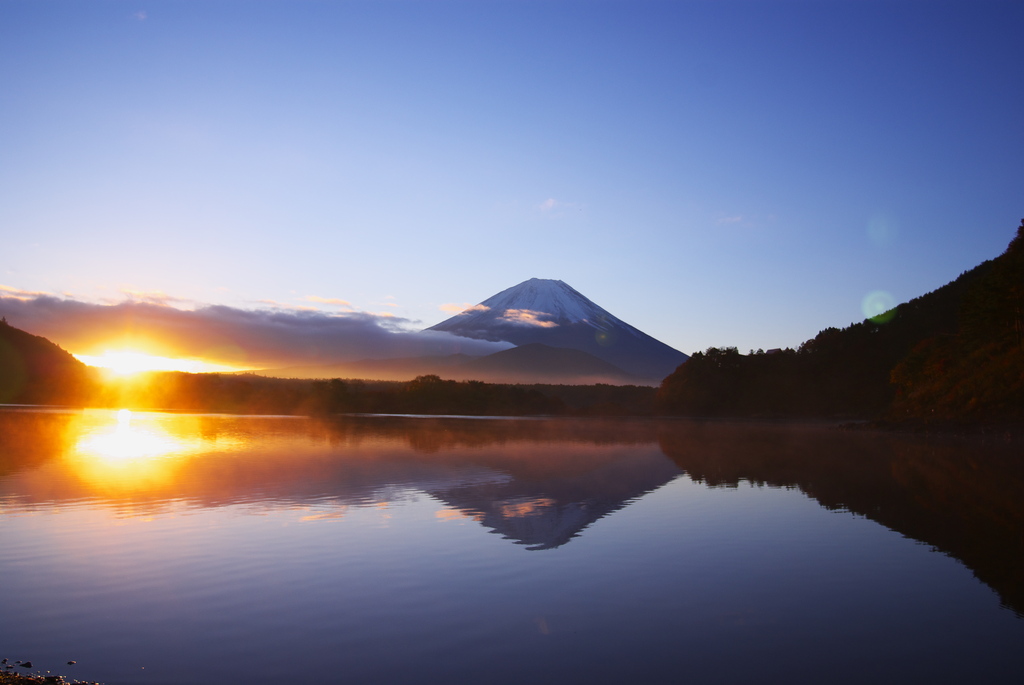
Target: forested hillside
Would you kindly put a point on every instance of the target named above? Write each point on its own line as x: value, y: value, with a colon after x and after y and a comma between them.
x: 978, y: 373
x: 953, y: 353
x: 249, y: 394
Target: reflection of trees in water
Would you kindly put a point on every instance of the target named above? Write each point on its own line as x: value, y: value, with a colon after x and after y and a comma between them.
x: 29, y: 438
x: 431, y: 435
x: 962, y: 497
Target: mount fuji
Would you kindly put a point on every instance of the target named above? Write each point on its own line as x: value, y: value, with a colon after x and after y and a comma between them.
x: 552, y: 313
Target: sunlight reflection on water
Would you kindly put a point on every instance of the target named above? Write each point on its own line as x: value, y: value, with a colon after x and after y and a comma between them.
x: 132, y: 456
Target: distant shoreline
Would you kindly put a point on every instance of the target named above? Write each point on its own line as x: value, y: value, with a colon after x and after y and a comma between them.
x: 1007, y: 430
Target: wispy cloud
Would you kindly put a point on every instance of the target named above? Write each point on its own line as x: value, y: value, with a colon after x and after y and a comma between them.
x: 284, y: 306
x: 465, y: 308
x: 157, y: 297
x: 7, y: 291
x: 527, y: 317
x: 328, y: 300
x: 256, y: 338
x: 731, y: 219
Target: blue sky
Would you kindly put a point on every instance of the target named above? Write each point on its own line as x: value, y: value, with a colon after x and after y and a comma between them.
x: 714, y: 173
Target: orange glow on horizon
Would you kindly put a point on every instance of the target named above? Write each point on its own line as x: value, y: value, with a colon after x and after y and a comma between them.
x: 128, y: 362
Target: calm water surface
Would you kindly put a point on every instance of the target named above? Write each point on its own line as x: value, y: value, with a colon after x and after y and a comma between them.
x: 159, y: 548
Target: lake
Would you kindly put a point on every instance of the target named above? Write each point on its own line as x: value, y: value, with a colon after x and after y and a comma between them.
x: 180, y: 549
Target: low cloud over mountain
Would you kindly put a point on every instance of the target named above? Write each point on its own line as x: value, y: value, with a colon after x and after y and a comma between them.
x: 240, y: 337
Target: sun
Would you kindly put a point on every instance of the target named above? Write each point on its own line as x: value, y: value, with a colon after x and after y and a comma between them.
x: 127, y: 362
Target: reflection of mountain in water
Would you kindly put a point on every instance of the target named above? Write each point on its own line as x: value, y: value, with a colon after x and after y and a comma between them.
x: 548, y: 512
x: 550, y: 479
x: 963, y: 497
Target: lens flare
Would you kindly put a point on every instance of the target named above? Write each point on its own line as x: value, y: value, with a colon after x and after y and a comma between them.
x: 879, y: 306
x: 605, y: 338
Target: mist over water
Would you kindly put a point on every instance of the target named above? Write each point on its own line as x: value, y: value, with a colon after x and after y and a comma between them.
x: 161, y: 548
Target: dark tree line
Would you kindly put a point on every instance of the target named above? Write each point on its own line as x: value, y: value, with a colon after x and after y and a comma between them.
x: 431, y: 395
x: 252, y: 394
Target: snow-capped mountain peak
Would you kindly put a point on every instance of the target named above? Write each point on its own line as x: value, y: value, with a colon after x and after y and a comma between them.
x: 553, y: 313
x: 541, y: 302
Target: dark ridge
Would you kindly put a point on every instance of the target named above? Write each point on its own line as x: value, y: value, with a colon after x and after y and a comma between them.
x: 34, y: 370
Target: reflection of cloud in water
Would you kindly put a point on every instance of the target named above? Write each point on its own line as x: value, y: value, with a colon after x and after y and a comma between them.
x: 331, y: 514
x: 447, y: 514
x: 525, y: 507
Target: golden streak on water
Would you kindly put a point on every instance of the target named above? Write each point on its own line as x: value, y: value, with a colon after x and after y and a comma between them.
x: 126, y: 455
